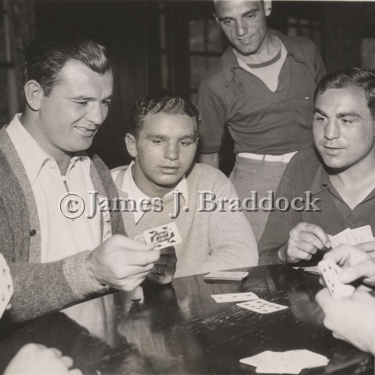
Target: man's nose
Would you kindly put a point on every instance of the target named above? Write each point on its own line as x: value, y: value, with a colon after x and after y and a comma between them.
x: 332, y: 130
x: 171, y: 151
x: 96, y: 114
x: 241, y: 28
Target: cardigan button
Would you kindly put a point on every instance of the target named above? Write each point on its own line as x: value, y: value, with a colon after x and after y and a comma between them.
x: 32, y: 232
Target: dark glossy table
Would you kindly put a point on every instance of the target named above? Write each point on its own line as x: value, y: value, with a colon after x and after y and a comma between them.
x: 180, y: 329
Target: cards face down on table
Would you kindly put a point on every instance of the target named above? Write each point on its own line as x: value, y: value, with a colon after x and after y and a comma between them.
x: 234, y: 297
x: 352, y: 236
x: 6, y: 285
x: 330, y: 271
x: 290, y: 362
x: 262, y: 306
x: 165, y: 236
x: 225, y: 276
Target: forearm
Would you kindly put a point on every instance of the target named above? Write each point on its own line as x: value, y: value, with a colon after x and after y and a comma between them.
x: 210, y: 159
x: 41, y: 288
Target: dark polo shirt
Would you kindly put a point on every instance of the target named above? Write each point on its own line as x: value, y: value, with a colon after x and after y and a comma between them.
x: 306, y: 172
x: 259, y: 120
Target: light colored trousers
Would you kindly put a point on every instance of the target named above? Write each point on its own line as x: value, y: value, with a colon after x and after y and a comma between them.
x: 256, y: 175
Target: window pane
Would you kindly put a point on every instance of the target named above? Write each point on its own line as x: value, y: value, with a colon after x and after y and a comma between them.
x: 292, y: 31
x: 197, y: 69
x: 215, y: 40
x: 3, y: 43
x: 164, y: 71
x: 4, y: 102
x: 196, y: 37
x: 304, y: 32
x: 163, y: 31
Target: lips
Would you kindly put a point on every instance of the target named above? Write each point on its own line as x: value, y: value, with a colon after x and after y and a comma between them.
x: 169, y: 170
x: 86, y: 132
x: 332, y: 151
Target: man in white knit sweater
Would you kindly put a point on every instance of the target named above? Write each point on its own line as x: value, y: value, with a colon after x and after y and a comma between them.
x: 162, y: 139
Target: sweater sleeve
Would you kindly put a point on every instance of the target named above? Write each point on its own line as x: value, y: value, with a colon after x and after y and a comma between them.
x: 231, y: 239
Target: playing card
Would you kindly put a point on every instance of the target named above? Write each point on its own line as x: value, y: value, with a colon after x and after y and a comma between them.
x: 290, y: 362
x: 262, y: 306
x: 359, y: 235
x: 339, y: 239
x: 164, y: 236
x: 6, y: 285
x: 226, y: 276
x: 312, y: 269
x: 234, y: 297
x: 330, y: 270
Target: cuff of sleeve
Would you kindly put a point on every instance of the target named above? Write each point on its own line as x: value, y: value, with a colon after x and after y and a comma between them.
x: 78, y: 277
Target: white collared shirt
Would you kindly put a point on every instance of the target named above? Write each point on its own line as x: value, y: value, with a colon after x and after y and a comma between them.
x: 61, y: 237
x: 130, y: 187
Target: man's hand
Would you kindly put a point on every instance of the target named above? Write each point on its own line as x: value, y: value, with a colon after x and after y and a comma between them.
x: 351, y: 319
x: 357, y: 264
x: 165, y: 267
x: 304, y: 241
x: 121, y: 262
x: 37, y: 359
x: 367, y: 247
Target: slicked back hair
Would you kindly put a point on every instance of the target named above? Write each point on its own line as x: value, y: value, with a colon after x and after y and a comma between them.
x: 345, y: 77
x: 47, y: 55
x: 162, y: 103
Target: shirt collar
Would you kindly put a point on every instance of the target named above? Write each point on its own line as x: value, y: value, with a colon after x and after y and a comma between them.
x: 230, y: 63
x: 32, y: 156
x: 321, y: 180
x: 130, y: 187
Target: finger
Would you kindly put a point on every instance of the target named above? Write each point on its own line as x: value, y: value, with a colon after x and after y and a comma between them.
x: 57, y: 352
x: 320, y: 234
x: 310, y: 243
x: 130, y: 244
x: 323, y: 297
x: 306, y: 246
x: 340, y: 255
x: 294, y: 255
x: 138, y: 258
x: 75, y: 371
x: 366, y: 246
x: 365, y: 269
x: 67, y: 361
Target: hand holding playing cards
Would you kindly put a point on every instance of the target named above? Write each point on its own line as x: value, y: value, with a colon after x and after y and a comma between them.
x: 37, y: 359
x: 165, y: 267
x: 351, y: 319
x: 304, y: 241
x: 356, y: 264
x: 121, y: 262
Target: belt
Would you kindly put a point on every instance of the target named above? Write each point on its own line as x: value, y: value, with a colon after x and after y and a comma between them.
x: 284, y: 158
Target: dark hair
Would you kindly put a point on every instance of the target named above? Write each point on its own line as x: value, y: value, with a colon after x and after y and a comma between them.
x: 47, y: 55
x: 345, y: 77
x: 162, y: 103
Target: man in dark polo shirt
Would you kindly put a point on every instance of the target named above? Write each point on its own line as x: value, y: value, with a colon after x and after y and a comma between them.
x: 339, y: 173
x: 262, y: 89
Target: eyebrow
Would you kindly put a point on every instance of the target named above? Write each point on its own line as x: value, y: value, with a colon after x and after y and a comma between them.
x: 165, y: 137
x: 338, y: 115
x: 89, y: 98
x: 223, y: 18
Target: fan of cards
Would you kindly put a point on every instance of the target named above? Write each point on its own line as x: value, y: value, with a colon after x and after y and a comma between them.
x: 6, y: 285
x: 165, y: 236
x: 330, y: 271
x: 290, y: 362
x: 352, y: 236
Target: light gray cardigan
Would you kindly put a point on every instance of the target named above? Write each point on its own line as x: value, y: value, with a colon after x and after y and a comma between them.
x: 41, y: 287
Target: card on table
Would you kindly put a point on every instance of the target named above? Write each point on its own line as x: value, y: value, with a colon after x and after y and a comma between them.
x: 330, y: 271
x: 165, y: 236
x: 262, y: 306
x: 225, y: 276
x: 290, y: 362
x: 6, y: 285
x: 234, y: 297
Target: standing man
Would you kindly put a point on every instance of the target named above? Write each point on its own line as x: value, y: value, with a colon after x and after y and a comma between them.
x: 56, y: 261
x: 262, y: 89
x: 337, y: 177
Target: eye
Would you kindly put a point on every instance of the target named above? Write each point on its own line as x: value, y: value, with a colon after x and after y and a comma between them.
x: 81, y: 103
x: 226, y: 22
x: 106, y: 103
x: 346, y: 121
x: 186, y: 143
x: 156, y: 141
x: 250, y: 16
x: 320, y: 119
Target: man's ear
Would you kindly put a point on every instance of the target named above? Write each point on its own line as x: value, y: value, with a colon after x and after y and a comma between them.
x: 131, y: 145
x: 267, y: 4
x: 33, y: 94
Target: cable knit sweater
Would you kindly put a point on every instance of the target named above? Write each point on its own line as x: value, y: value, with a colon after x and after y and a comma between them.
x: 211, y: 241
x: 41, y: 287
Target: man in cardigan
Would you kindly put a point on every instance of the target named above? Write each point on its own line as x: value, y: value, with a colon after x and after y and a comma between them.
x: 56, y: 261
x: 162, y: 138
